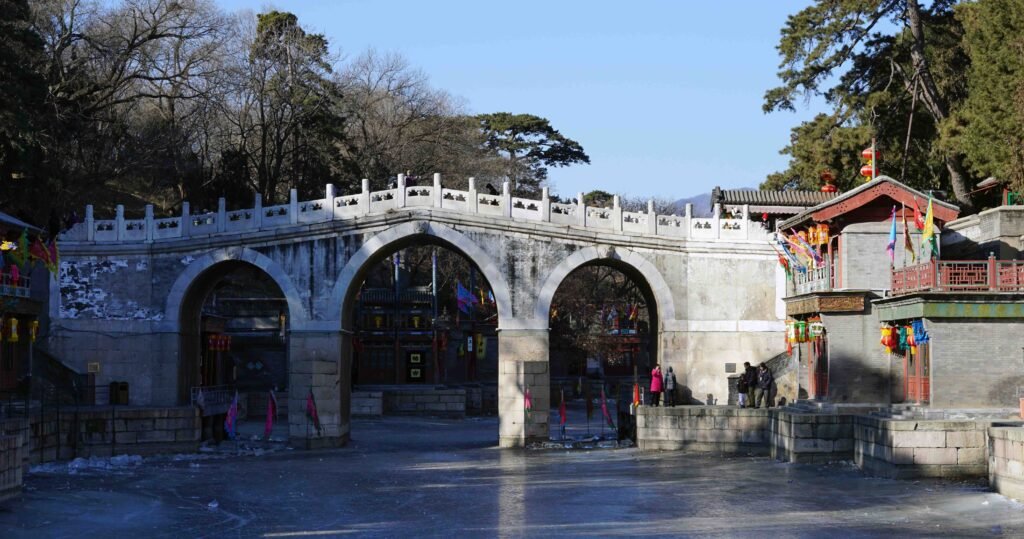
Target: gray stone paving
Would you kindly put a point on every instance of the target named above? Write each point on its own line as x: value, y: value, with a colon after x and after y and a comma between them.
x: 403, y: 477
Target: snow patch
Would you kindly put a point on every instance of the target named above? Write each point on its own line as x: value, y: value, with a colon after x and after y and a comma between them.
x: 119, y: 462
x: 187, y: 260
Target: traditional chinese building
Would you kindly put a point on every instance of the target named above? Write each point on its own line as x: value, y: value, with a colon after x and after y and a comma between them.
x: 958, y: 319
x: 24, y: 286
x: 833, y: 327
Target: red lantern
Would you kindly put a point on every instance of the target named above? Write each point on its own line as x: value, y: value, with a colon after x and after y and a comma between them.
x: 868, y: 154
x: 867, y: 171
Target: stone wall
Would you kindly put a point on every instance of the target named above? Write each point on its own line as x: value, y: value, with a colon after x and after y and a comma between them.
x: 425, y: 401
x: 13, y: 457
x: 106, y: 432
x: 716, y: 429
x: 1006, y: 460
x: 907, y: 448
x: 810, y: 437
x: 367, y: 403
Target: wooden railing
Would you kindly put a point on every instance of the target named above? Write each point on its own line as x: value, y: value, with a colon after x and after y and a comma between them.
x: 960, y: 276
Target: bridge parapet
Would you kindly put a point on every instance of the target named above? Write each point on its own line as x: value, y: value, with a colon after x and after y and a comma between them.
x: 404, y: 197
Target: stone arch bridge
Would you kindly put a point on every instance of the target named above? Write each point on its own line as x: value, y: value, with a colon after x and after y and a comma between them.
x: 127, y: 288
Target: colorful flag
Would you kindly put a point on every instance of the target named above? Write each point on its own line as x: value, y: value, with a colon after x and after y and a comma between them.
x: 636, y: 394
x: 908, y: 244
x: 311, y: 412
x: 807, y: 247
x: 891, y: 247
x: 928, y: 233
x: 795, y: 249
x: 918, y: 218
x: 231, y: 419
x: 20, y: 255
x: 793, y: 262
x: 604, y: 409
x: 527, y: 401
x: 271, y: 414
x: 464, y: 297
x: 47, y: 254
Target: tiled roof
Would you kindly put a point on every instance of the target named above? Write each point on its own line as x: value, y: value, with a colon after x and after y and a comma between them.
x: 775, y: 198
x: 9, y: 221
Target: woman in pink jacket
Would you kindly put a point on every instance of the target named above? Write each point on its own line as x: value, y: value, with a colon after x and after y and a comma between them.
x: 656, y: 381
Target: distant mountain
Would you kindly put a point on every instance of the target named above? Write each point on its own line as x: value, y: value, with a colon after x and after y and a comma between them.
x: 701, y: 203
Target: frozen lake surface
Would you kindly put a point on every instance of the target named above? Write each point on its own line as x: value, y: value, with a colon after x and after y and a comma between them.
x: 403, y: 477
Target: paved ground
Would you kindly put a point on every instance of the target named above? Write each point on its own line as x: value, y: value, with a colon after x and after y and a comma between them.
x: 423, y: 477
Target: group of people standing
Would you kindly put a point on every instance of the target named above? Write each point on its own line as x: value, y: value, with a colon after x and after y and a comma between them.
x: 755, y: 385
x: 663, y: 383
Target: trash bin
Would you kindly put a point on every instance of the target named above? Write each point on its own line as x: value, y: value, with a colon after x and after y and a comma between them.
x: 122, y: 393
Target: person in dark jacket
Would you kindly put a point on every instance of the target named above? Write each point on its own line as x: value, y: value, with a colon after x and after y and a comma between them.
x: 670, y: 387
x: 764, y: 386
x: 744, y: 386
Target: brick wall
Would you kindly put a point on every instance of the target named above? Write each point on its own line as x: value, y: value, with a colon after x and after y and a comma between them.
x: 1006, y: 460
x: 858, y: 369
x: 903, y: 449
x: 717, y: 429
x: 975, y: 363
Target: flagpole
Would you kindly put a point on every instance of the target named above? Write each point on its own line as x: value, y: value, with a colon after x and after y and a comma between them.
x: 905, y: 232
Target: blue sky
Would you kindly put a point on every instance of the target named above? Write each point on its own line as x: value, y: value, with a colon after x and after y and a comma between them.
x: 664, y: 96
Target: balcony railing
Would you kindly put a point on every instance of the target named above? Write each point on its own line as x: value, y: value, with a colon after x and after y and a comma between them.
x: 9, y: 286
x: 815, y: 280
x: 960, y: 276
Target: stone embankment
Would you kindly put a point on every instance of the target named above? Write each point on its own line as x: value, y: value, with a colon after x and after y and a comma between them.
x: 881, y: 446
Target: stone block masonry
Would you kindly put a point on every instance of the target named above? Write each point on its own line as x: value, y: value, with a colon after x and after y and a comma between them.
x: 13, y: 457
x: 820, y: 437
x: 1006, y: 460
x: 714, y: 429
x: 424, y: 401
x: 368, y: 403
x: 902, y: 449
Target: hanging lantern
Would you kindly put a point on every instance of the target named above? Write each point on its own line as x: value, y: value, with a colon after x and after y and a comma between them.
x: 868, y: 154
x: 823, y: 234
x: 827, y: 178
x: 812, y: 235
x: 33, y: 330
x: 791, y: 332
x: 816, y: 329
x: 801, y: 331
x: 12, y: 331
x: 867, y: 171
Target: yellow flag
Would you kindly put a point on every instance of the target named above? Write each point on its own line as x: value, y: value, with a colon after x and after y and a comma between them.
x: 928, y: 234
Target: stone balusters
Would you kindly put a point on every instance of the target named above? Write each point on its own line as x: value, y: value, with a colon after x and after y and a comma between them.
x: 436, y: 192
x: 472, y: 202
x: 616, y: 214
x: 545, y: 205
x: 506, y: 199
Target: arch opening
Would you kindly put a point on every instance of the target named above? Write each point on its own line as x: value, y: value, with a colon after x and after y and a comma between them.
x: 471, y: 389
x: 233, y: 322
x: 604, y: 337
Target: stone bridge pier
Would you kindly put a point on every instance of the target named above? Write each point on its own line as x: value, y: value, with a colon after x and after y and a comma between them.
x: 129, y: 295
